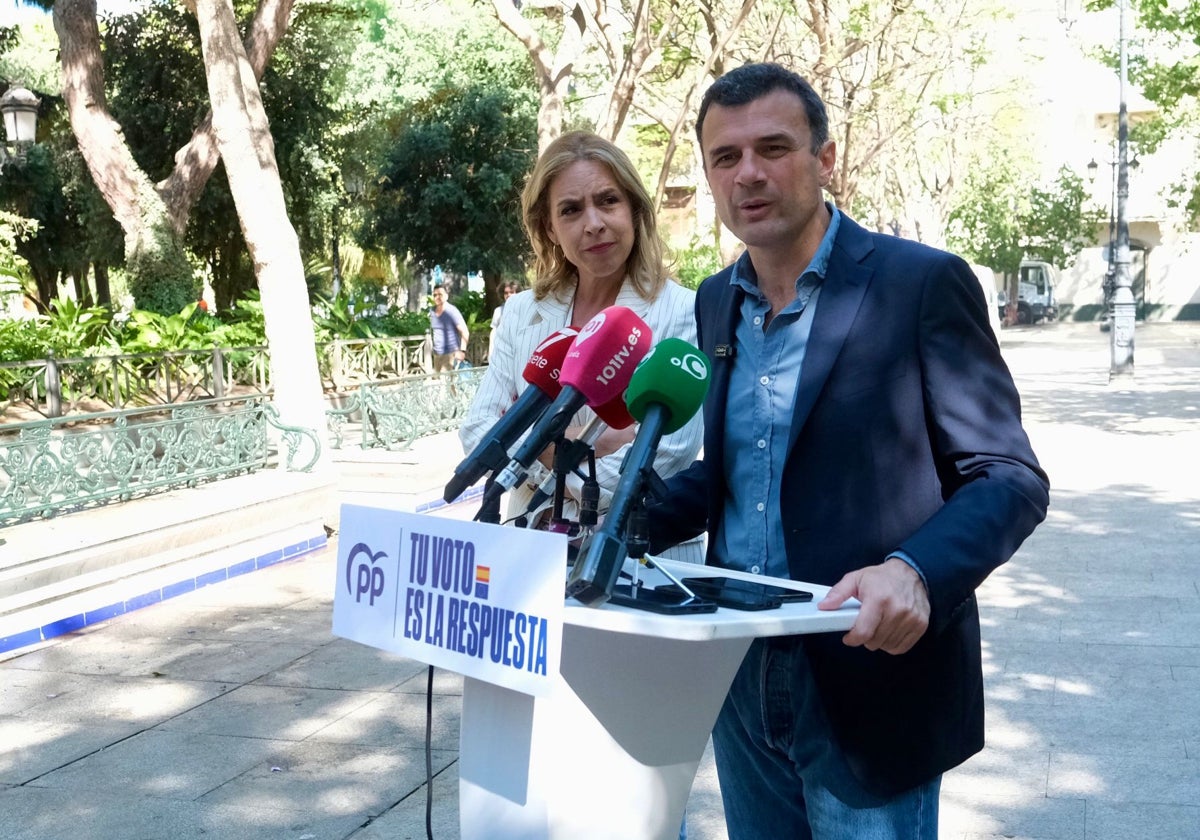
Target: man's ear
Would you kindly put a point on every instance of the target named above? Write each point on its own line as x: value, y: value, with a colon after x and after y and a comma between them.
x: 828, y: 158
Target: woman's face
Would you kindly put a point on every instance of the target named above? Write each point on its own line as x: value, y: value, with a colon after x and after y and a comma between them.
x: 591, y: 219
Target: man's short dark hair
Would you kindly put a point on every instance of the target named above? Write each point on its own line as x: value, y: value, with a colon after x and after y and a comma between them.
x: 754, y: 81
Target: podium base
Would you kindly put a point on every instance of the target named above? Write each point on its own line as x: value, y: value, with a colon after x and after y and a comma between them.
x: 610, y: 754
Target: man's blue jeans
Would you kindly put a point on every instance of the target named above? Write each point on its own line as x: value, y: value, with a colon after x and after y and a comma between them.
x: 783, y: 777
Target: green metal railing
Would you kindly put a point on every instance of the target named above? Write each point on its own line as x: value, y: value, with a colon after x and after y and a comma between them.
x: 54, y: 387
x: 396, y: 412
x: 61, y: 464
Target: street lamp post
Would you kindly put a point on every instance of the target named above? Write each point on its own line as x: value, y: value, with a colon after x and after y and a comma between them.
x: 1123, y: 306
x: 1111, y: 247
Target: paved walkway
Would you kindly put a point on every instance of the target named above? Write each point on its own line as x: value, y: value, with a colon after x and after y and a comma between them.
x: 233, y: 713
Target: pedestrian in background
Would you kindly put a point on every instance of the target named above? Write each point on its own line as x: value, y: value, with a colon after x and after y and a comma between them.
x: 450, y: 333
x: 508, y: 290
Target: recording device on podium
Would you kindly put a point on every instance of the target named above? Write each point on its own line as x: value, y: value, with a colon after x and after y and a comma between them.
x: 595, y: 372
x: 542, y: 374
x: 665, y: 390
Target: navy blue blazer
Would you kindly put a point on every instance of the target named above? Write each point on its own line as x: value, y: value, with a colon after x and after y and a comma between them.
x: 906, y: 435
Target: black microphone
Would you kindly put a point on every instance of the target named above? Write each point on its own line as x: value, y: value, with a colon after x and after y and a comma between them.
x: 667, y: 388
x: 491, y: 453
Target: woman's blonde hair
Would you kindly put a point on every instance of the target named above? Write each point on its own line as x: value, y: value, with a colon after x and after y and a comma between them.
x: 553, y: 273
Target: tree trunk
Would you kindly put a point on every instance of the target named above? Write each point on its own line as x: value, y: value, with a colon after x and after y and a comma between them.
x: 153, y: 217
x: 103, y: 295
x: 552, y: 69
x: 195, y: 162
x: 244, y: 141
x: 83, y: 292
x: 154, y: 260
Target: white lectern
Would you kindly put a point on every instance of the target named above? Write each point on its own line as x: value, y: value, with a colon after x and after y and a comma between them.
x: 612, y: 752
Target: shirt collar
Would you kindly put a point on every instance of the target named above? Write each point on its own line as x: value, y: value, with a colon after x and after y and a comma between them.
x: 744, y: 276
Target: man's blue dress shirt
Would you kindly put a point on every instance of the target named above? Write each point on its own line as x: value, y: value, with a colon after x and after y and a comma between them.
x: 758, y: 414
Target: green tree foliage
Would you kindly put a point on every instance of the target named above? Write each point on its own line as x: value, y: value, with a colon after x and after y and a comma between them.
x: 50, y: 184
x: 449, y: 193
x: 694, y: 264
x: 159, y: 94
x: 418, y: 53
x: 1061, y: 221
x: 1164, y: 62
x: 1001, y: 218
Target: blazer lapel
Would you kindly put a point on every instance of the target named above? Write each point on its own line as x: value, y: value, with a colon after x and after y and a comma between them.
x: 846, y: 281
x: 552, y: 311
x: 717, y: 330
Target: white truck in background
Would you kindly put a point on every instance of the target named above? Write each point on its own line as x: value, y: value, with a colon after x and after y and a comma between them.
x: 1036, y: 281
x: 987, y: 282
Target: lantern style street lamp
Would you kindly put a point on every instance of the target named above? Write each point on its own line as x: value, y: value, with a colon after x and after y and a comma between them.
x: 20, y: 109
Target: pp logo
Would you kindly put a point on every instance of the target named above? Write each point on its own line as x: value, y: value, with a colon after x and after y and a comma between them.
x: 365, y: 577
x: 590, y: 328
x: 692, y: 364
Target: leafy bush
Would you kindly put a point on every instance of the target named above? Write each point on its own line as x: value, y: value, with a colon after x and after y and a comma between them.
x: 245, y: 324
x: 73, y: 330
x: 190, y: 329
x: 697, y: 262
x: 402, y: 322
x: 23, y: 340
x: 160, y: 278
x: 341, y: 318
x: 471, y: 305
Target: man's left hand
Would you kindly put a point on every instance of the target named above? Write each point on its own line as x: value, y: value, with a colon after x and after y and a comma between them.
x: 895, y: 606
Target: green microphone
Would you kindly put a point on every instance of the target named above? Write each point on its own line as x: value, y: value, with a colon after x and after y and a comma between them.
x: 667, y: 388
x: 674, y: 377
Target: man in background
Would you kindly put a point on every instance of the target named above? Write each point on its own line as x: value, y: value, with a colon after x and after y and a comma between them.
x: 449, y: 332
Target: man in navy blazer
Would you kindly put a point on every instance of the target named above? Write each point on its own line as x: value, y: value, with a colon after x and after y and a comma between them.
x: 863, y: 432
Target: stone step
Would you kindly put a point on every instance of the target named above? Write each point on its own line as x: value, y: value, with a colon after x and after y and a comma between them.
x: 87, y: 561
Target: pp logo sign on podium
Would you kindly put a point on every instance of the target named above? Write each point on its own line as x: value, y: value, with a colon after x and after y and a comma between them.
x: 483, y: 600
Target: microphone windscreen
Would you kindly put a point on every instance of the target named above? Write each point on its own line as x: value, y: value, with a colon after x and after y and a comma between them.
x: 675, y: 375
x: 543, y: 370
x: 602, y: 357
x: 615, y: 413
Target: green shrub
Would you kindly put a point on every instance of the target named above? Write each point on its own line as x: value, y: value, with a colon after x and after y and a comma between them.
x: 471, y: 305
x: 23, y: 340
x: 402, y: 322
x: 190, y: 329
x: 697, y: 262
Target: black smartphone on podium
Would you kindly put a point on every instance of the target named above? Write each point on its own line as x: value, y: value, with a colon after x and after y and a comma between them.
x: 659, y: 600
x: 742, y: 594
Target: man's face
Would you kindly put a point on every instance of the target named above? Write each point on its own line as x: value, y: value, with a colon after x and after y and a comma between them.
x: 763, y: 174
x: 439, y: 297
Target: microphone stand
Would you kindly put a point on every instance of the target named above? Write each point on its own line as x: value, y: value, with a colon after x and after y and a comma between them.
x: 637, y: 541
x: 589, y: 503
x: 489, y: 511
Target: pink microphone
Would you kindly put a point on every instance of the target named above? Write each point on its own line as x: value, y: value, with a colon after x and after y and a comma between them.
x: 595, y: 372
